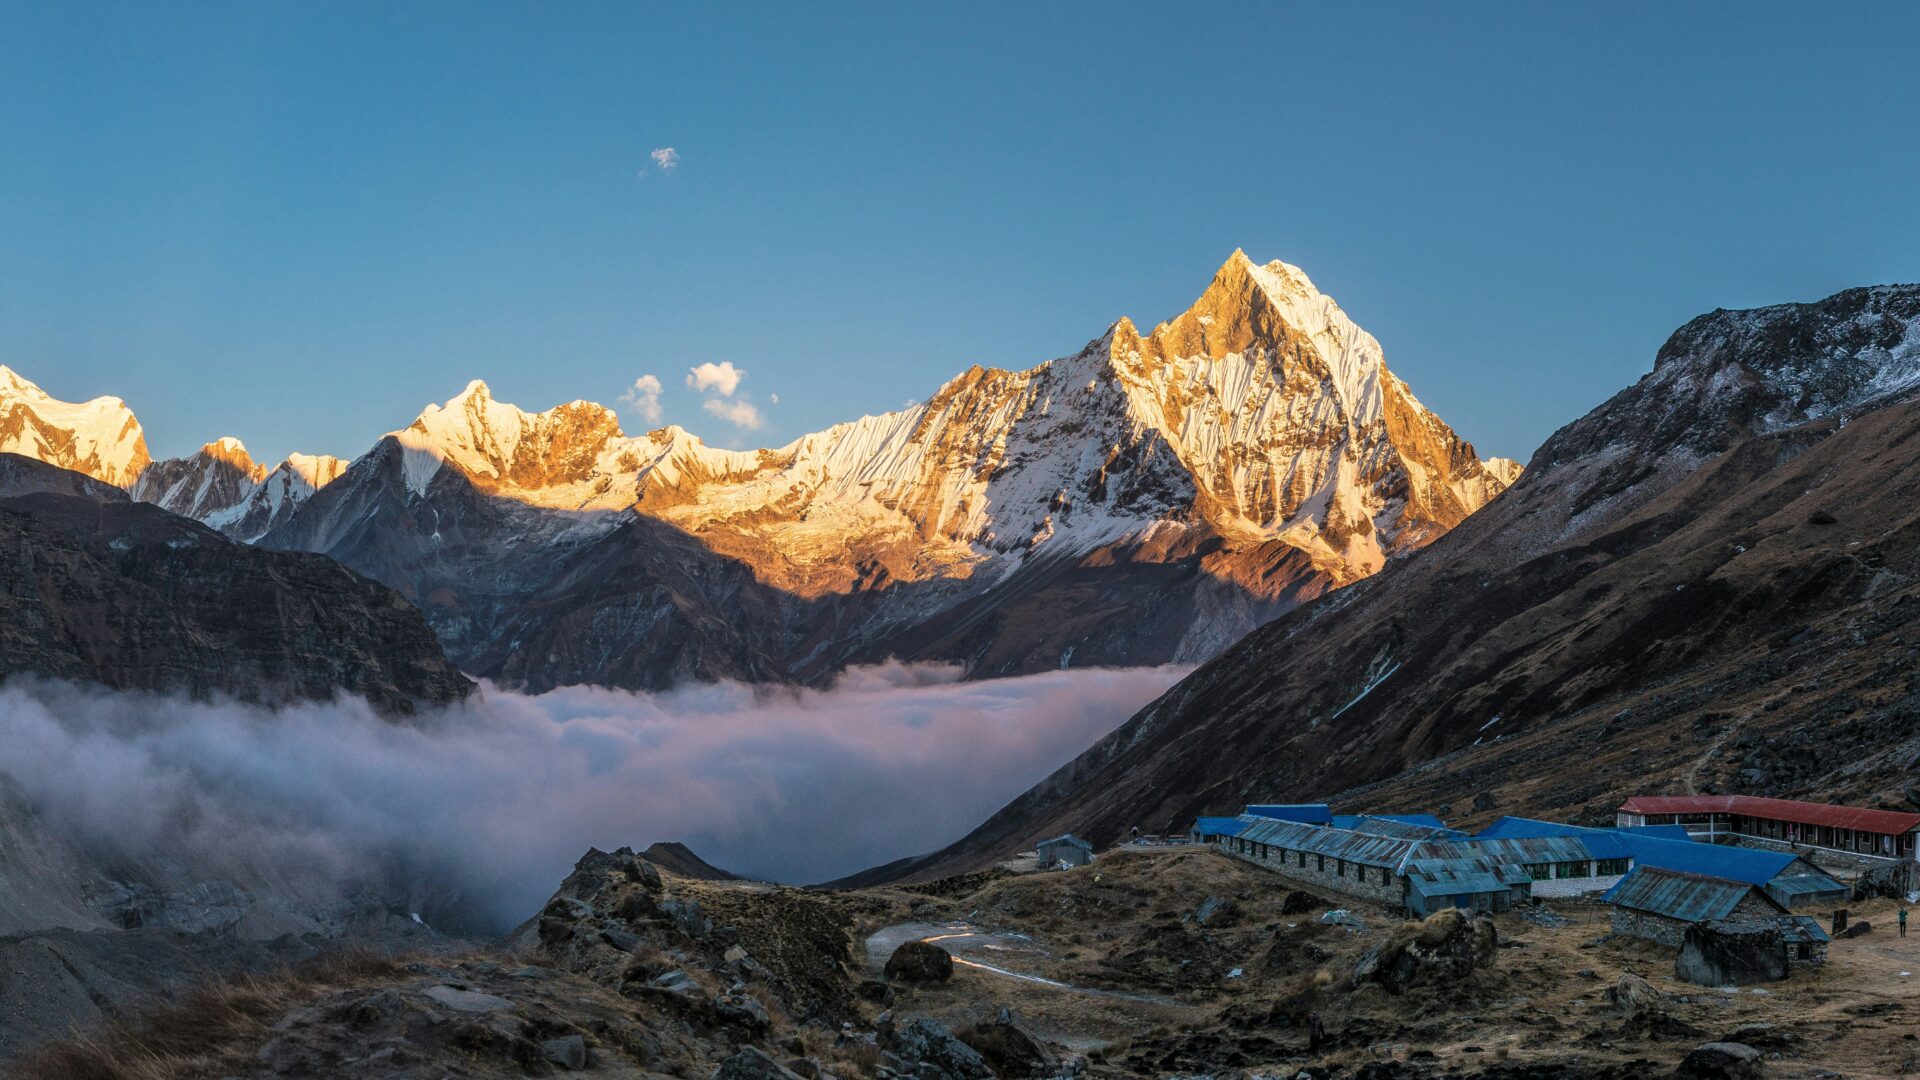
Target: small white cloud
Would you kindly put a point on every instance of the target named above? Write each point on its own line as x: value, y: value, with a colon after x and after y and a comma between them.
x: 738, y: 413
x: 775, y: 398
x: 644, y: 398
x: 666, y: 158
x: 721, y: 378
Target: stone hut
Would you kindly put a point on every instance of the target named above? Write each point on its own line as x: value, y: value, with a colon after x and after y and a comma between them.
x: 1746, y: 951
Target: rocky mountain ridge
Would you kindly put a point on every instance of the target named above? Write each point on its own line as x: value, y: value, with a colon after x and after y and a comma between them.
x: 1201, y: 478
x: 1707, y: 583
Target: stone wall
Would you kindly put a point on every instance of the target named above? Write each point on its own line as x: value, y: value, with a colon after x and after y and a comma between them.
x: 1390, y: 893
x: 1643, y: 924
x: 1560, y: 888
x: 1824, y: 858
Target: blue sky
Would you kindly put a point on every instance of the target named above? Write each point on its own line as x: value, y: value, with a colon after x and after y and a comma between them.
x: 299, y: 223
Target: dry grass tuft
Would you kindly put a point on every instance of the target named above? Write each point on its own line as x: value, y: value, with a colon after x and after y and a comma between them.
x: 212, y: 1027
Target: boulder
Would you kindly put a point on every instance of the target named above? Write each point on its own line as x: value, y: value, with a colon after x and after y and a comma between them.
x: 1721, y: 1061
x: 753, y: 1064
x: 1631, y: 995
x: 1445, y: 947
x: 935, y: 1052
x: 1858, y: 929
x: 569, y: 1052
x: 1299, y: 903
x: 1011, y: 1050
x: 919, y: 962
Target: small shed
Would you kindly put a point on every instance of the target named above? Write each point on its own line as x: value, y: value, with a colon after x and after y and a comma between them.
x: 1065, y: 848
x: 1206, y: 829
x: 1660, y: 905
x: 1746, y: 951
x: 1475, y: 884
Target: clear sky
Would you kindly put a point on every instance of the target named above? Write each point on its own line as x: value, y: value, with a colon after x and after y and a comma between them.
x: 299, y: 223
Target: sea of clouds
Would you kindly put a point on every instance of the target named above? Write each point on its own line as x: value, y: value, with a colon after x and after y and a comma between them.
x: 493, y: 801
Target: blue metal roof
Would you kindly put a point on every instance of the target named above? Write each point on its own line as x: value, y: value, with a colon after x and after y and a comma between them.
x: 1218, y: 826
x: 1309, y: 813
x: 1708, y: 860
x: 1518, y: 828
x: 1399, y: 826
x: 1662, y: 832
x: 1687, y: 897
x: 1790, y: 887
x: 1528, y: 849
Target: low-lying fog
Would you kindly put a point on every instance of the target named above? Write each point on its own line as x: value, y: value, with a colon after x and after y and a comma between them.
x: 494, y: 800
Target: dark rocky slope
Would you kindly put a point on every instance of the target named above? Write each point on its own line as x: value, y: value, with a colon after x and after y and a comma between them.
x: 1710, y: 582
x: 97, y: 588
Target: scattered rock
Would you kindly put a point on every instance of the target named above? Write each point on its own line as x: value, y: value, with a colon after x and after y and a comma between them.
x: 1857, y: 929
x: 467, y: 1001
x: 569, y: 1052
x: 875, y: 991
x: 752, y: 1064
x: 1343, y: 917
x: 1721, y: 1061
x: 919, y: 962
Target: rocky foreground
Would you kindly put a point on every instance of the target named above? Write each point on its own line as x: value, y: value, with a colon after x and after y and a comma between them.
x: 1149, y: 963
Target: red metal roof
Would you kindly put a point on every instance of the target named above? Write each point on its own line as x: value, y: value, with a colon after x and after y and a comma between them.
x: 1802, y: 813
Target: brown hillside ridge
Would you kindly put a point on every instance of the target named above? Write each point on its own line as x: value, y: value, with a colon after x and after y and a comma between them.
x: 1709, y: 583
x: 97, y: 588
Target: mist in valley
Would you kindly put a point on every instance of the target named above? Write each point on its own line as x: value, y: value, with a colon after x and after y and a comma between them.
x: 475, y: 814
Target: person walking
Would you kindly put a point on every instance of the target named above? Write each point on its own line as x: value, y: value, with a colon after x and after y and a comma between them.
x: 1316, y: 1033
x: 1136, y: 834
x: 1903, y: 922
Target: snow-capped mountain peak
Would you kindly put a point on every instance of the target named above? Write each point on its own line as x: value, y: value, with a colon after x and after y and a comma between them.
x: 100, y: 437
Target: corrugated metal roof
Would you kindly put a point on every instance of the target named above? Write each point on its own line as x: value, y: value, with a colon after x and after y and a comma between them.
x: 1218, y: 826
x: 1354, y: 847
x: 1064, y: 838
x: 1529, y: 849
x: 1890, y: 822
x: 1455, y: 877
x: 1688, y: 897
x: 1791, y: 887
x: 1388, y: 825
x: 1311, y: 813
x: 1793, y: 929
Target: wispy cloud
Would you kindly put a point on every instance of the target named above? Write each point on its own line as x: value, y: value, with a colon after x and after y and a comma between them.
x: 666, y: 157
x: 721, y: 378
x: 644, y: 398
x: 740, y: 414
x: 488, y: 803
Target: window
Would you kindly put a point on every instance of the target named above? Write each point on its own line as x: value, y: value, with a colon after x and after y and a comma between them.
x: 1303, y: 860
x: 1385, y: 877
x: 1806, y: 952
x: 1321, y: 861
x: 1539, y: 871
x: 1612, y: 867
x: 1340, y: 868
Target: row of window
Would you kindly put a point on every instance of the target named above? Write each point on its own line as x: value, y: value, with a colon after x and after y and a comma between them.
x: 1563, y: 870
x: 1269, y: 853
